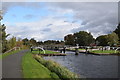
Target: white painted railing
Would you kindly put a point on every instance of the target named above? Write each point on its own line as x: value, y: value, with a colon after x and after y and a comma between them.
x: 117, y: 49
x: 15, y: 48
x: 40, y: 48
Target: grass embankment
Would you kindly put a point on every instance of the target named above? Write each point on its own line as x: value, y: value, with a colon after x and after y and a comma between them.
x: 7, y: 54
x: 33, y: 69
x: 74, y: 49
x: 46, y: 52
x: 105, y: 51
x: 61, y: 71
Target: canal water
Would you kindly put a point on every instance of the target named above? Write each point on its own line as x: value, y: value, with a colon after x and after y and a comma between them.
x: 89, y: 66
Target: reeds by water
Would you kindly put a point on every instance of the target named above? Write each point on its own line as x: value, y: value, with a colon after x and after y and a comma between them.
x: 61, y: 71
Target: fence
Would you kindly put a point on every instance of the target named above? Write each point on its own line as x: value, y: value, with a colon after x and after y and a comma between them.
x: 15, y: 48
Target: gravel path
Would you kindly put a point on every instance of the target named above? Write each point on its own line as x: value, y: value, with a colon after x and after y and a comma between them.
x: 11, y: 65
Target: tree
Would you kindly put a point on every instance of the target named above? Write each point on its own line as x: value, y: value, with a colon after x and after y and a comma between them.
x: 19, y: 43
x: 25, y: 41
x: 112, y: 39
x: 1, y: 17
x: 33, y: 42
x: 69, y: 39
x: 83, y: 38
x: 52, y: 42
x: 117, y: 31
x: 102, y: 40
x: 11, y: 42
x: 39, y: 43
x: 3, y: 37
x: 107, y: 40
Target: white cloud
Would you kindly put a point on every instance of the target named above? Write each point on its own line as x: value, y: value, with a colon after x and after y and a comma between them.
x: 39, y: 29
x: 97, y: 18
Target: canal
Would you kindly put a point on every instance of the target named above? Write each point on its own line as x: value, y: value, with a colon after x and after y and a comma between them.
x: 89, y: 66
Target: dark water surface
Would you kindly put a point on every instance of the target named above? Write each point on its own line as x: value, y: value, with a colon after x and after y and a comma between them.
x: 89, y: 66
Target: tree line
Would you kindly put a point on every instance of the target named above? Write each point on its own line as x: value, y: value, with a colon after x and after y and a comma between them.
x: 84, y: 38
x: 7, y: 44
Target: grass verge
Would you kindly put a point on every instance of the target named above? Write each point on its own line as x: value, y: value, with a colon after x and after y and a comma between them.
x: 74, y: 49
x: 105, y: 51
x: 33, y: 69
x: 61, y: 71
x: 7, y: 54
x: 81, y: 49
x: 46, y: 52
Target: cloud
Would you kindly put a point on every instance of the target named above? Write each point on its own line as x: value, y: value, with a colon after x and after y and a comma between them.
x: 119, y: 11
x: 96, y: 17
x: 49, y: 24
x: 29, y: 16
x: 40, y: 30
x: 68, y: 17
x: 46, y: 30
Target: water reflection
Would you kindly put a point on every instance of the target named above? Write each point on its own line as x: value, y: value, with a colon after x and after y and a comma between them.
x: 89, y: 66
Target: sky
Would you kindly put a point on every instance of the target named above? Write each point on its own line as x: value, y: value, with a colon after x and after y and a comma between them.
x: 53, y: 20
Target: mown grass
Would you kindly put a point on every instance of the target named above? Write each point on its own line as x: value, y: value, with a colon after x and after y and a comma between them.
x: 81, y: 49
x: 46, y: 52
x: 105, y: 51
x: 33, y: 69
x: 7, y: 54
x: 61, y: 71
x: 78, y: 49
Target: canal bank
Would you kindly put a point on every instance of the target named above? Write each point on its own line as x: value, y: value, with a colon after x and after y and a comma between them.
x: 97, y: 52
x: 42, y: 68
x: 90, y: 66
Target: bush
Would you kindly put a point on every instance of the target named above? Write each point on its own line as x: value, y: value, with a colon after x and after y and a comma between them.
x: 61, y: 71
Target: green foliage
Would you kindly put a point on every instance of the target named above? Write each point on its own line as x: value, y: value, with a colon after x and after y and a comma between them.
x: 3, y: 38
x: 11, y: 43
x: 83, y: 38
x: 25, y: 42
x: 117, y: 31
x: 108, y: 40
x: 69, y: 39
x: 61, y: 71
x: 102, y: 40
x: 52, y: 42
x: 0, y: 38
x: 39, y: 43
x: 19, y: 43
x: 1, y: 16
x: 112, y: 39
x: 33, y: 69
x: 33, y: 42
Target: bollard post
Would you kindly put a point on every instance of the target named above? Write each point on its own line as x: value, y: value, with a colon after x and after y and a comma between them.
x: 76, y: 51
x: 31, y: 49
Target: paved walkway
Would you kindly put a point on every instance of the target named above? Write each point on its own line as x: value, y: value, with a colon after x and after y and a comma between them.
x: 12, y: 66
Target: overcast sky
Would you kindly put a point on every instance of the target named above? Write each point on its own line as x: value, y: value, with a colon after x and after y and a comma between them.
x: 52, y: 21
